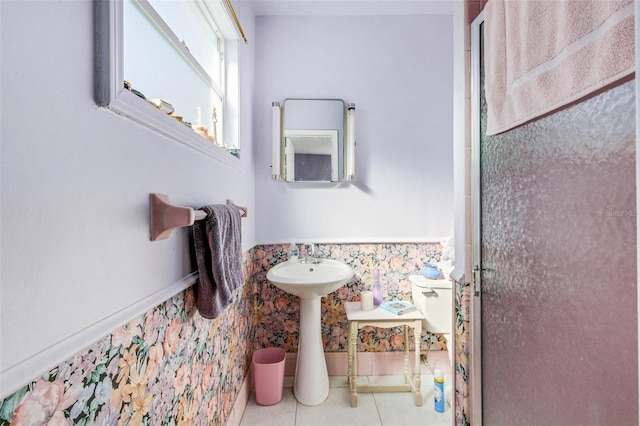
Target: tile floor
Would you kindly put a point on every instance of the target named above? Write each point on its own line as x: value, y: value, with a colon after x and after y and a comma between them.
x: 384, y: 409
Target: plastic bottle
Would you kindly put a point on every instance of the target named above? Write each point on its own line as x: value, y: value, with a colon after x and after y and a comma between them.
x: 438, y: 383
x: 293, y: 250
x: 377, y: 291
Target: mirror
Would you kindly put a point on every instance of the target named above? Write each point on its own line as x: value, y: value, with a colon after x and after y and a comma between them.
x: 311, y: 156
x: 313, y: 140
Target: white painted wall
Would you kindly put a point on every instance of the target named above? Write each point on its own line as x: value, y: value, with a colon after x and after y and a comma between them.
x: 398, y: 70
x: 75, y: 191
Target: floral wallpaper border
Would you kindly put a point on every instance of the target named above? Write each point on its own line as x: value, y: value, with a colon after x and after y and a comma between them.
x: 464, y: 293
x: 170, y: 366
x: 277, y: 313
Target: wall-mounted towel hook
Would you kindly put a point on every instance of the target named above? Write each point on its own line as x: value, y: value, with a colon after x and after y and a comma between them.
x: 166, y: 216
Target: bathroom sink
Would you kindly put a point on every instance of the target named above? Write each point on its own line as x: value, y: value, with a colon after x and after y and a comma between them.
x: 310, y: 280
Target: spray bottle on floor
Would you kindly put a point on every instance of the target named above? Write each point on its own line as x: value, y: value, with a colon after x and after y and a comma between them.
x: 438, y: 382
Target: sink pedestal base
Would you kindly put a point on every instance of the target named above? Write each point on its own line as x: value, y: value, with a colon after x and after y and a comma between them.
x: 311, y: 382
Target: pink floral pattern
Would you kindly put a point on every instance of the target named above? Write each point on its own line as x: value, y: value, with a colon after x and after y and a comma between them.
x: 395, y: 262
x: 168, y: 366
x: 46, y: 403
x: 462, y: 307
x: 171, y: 366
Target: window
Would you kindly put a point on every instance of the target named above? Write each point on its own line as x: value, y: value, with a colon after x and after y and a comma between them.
x: 171, y: 66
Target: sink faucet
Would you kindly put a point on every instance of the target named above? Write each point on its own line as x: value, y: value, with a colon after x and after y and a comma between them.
x: 310, y: 254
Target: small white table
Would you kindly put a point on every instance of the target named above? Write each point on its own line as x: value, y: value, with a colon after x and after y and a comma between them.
x: 379, y: 317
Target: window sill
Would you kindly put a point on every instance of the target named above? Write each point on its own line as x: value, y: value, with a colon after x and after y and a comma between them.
x: 140, y: 111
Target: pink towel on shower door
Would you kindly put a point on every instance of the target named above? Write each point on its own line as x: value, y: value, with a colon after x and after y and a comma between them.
x: 541, y: 55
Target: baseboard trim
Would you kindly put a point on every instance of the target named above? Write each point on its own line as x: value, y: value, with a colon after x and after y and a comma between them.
x: 242, y: 399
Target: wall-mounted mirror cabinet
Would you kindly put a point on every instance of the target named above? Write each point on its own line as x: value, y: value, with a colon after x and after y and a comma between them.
x: 313, y: 140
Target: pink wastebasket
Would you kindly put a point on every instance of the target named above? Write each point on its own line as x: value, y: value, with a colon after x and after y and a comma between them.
x: 268, y: 372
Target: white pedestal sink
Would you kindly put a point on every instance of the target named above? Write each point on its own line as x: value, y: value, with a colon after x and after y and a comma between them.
x: 310, y: 282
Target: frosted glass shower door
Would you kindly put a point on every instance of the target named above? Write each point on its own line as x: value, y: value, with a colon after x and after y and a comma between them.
x: 558, y: 260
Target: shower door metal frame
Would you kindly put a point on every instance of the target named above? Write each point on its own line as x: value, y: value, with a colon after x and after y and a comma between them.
x: 475, y: 373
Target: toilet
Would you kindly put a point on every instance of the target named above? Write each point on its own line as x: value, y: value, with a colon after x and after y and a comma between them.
x: 433, y: 298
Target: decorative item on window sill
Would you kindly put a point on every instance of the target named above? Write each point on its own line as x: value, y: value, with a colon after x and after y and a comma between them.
x: 129, y: 87
x: 180, y: 119
x: 201, y: 130
x: 166, y: 216
x: 162, y: 105
x: 214, y: 126
x: 204, y: 132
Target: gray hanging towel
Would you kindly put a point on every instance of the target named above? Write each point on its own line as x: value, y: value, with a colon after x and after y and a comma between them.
x: 219, y: 255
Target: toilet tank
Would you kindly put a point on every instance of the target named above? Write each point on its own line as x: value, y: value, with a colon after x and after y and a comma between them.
x: 434, y: 299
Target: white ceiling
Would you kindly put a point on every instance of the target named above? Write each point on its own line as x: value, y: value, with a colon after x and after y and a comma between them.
x: 351, y: 7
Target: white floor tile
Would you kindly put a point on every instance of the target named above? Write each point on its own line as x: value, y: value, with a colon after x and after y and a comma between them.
x: 374, y: 409
x: 338, y: 382
x: 281, y: 414
x: 399, y: 409
x: 337, y: 411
